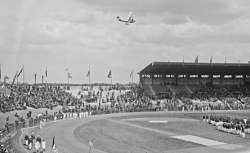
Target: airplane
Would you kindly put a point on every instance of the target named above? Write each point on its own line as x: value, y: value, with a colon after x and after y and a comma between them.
x: 130, y: 19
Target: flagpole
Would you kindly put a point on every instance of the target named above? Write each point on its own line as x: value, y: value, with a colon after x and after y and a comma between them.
x: 17, y: 78
x: 4, y: 83
x: 46, y: 74
x: 68, y: 80
x: 133, y: 77
x: 110, y: 76
x: 89, y: 75
x: 89, y: 80
x: 35, y: 78
x: 0, y: 73
x: 68, y: 75
x: 23, y: 74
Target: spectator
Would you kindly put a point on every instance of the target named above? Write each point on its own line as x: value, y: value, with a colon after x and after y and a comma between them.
x: 37, y: 146
x: 43, y: 145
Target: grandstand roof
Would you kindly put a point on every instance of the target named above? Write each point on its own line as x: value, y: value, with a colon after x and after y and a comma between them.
x: 196, y: 68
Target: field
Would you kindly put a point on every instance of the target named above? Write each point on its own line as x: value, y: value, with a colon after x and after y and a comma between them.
x: 151, y: 132
x: 113, y: 137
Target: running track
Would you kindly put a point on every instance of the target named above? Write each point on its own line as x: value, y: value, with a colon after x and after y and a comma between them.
x: 66, y: 142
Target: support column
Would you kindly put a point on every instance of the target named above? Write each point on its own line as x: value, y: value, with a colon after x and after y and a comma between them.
x: 211, y: 78
x: 176, y: 79
x: 244, y: 79
x: 152, y: 78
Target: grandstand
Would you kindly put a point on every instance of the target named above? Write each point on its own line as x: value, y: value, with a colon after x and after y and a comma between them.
x: 179, y: 78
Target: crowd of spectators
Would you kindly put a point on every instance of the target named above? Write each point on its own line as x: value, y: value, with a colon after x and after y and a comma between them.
x: 19, y: 97
x: 114, y: 99
x: 6, y: 147
x: 124, y: 98
x: 222, y: 97
x: 118, y: 99
x: 237, y: 126
x: 205, y: 97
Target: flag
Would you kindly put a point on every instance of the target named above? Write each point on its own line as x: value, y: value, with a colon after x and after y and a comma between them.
x: 42, y: 78
x: 196, y: 59
x: 69, y: 75
x: 20, y: 72
x: 88, y: 74
x: 14, y: 78
x: 35, y: 77
x: 53, y: 143
x: 46, y: 72
x: 110, y: 74
x: 131, y: 74
x: 211, y: 59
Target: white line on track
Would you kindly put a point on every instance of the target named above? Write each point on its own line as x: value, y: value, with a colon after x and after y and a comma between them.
x: 158, y: 121
x: 143, y: 127
x: 198, y: 140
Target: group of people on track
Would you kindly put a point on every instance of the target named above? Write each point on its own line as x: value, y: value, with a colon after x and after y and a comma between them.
x: 36, y: 143
x: 236, y: 126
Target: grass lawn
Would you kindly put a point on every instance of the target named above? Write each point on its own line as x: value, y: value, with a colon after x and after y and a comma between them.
x: 117, y: 138
x: 196, y: 128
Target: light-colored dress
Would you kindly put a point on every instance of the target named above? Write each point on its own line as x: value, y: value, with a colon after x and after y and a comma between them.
x: 43, y: 145
x: 37, y: 145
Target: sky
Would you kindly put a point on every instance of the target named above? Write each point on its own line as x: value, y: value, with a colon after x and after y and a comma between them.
x: 78, y: 34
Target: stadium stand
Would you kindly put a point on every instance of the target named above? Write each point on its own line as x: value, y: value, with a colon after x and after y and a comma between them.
x: 199, y: 85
